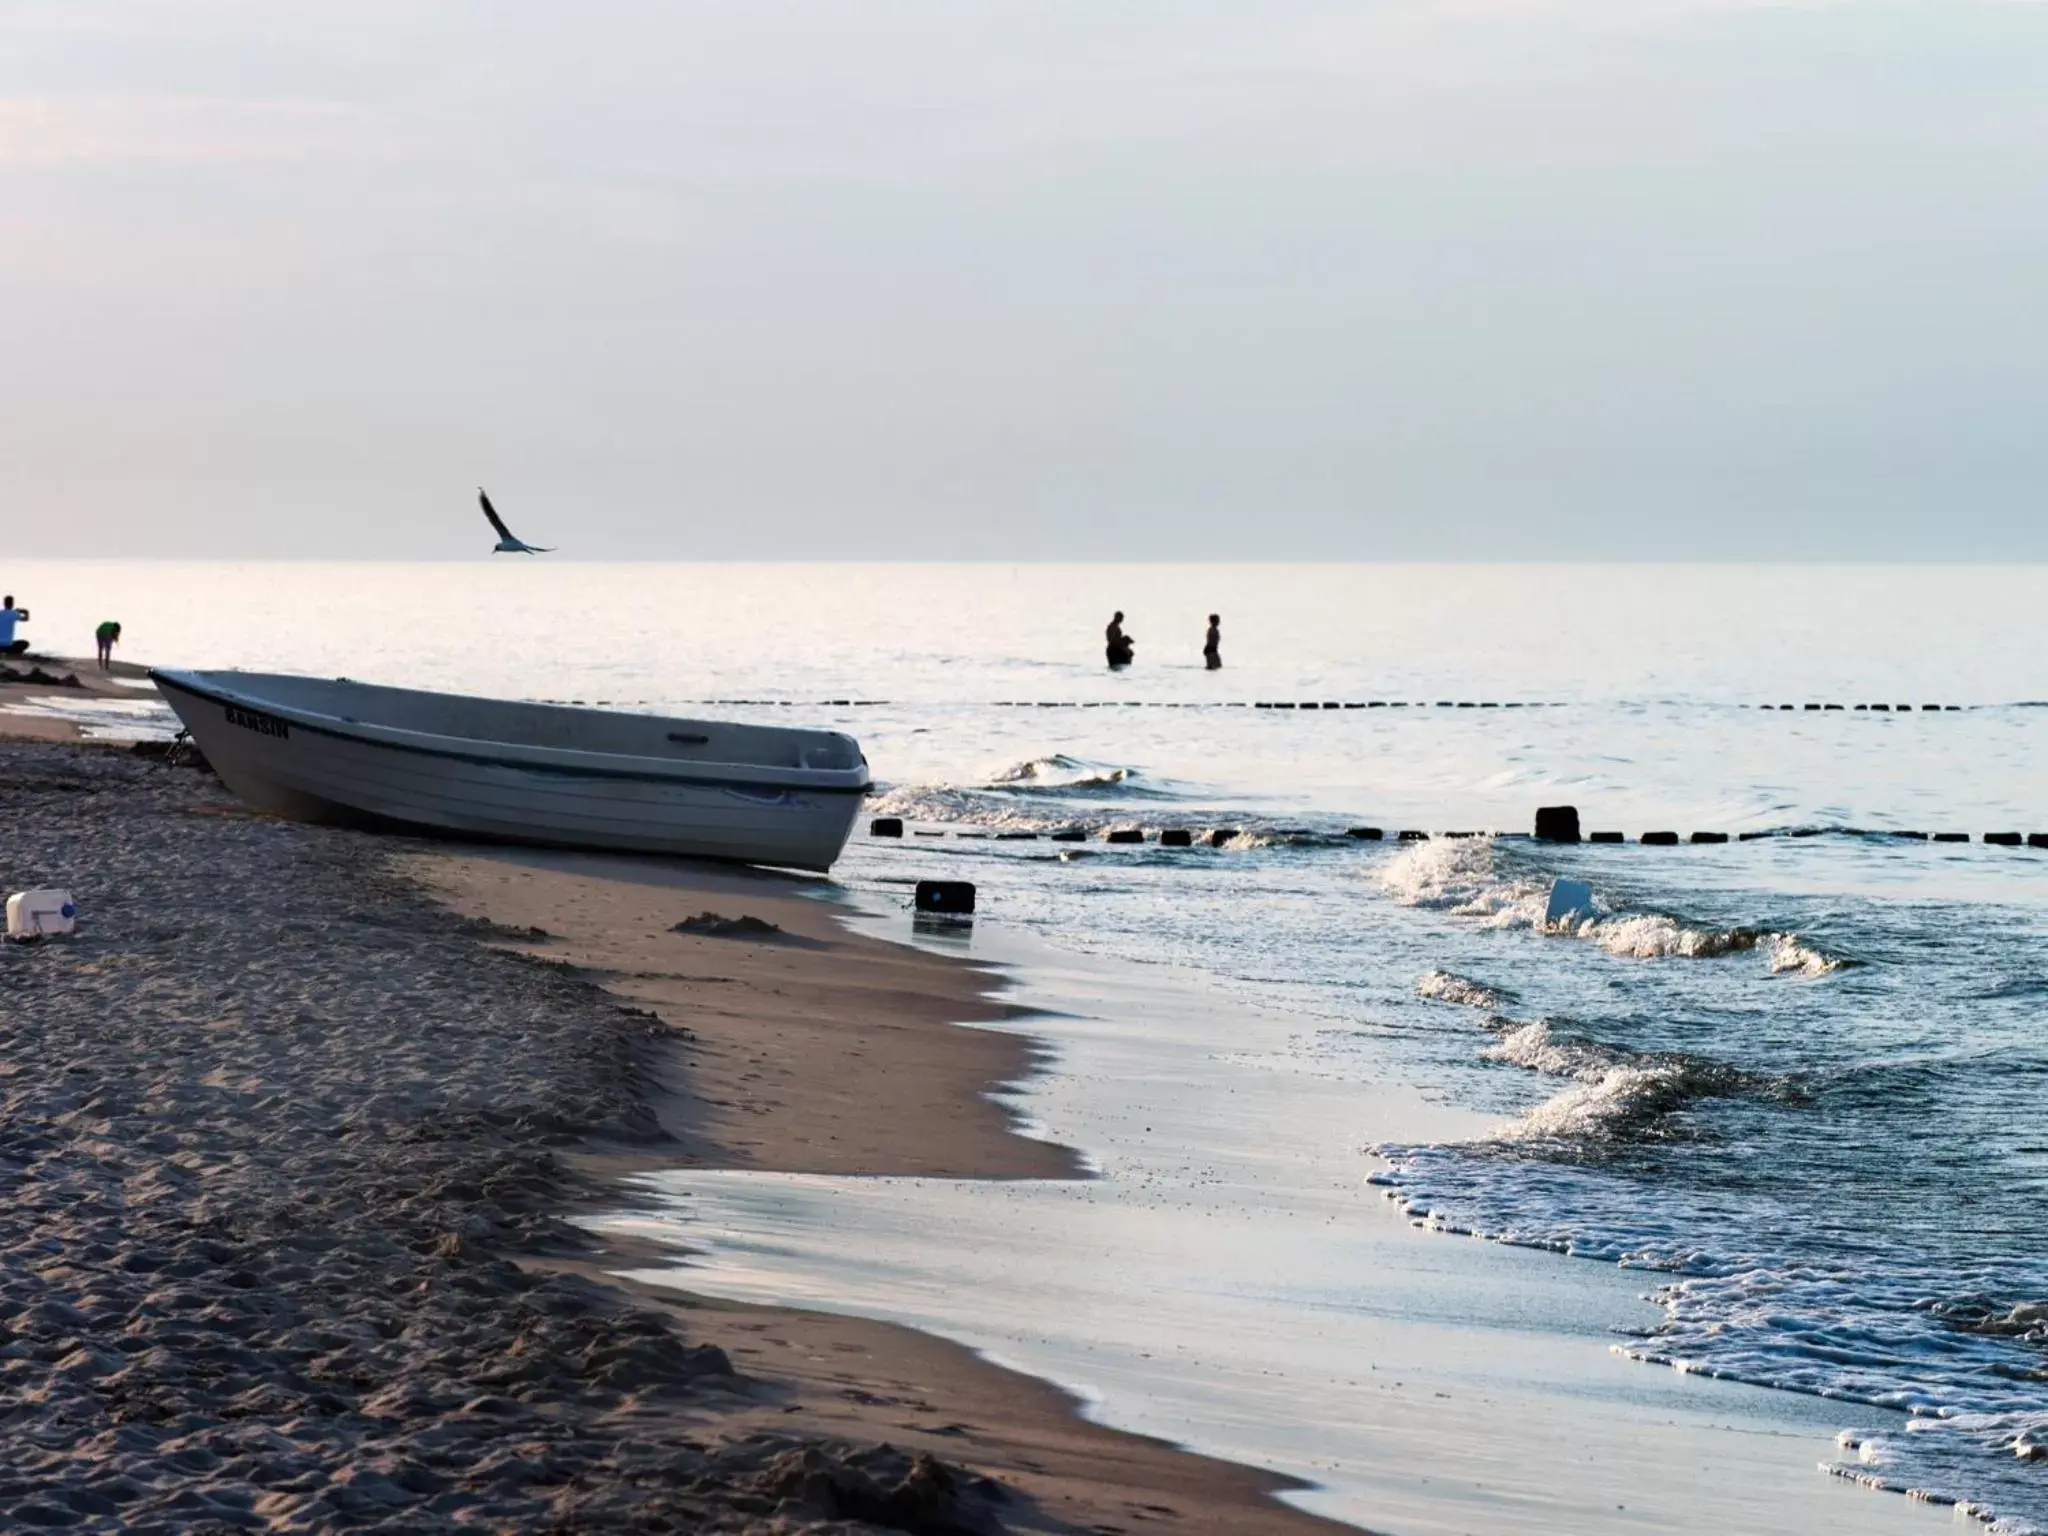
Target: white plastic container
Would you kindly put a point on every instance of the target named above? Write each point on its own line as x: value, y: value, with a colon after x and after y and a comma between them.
x: 34, y: 914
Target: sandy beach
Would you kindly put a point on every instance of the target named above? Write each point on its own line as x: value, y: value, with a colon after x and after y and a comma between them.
x: 295, y: 1146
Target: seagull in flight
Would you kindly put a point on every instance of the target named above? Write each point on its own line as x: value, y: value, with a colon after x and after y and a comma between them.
x: 507, y: 544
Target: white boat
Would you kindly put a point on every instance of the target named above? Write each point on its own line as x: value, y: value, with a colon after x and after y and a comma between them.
x: 320, y: 749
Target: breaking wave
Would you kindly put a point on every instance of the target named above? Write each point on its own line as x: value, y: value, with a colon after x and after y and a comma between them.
x: 1059, y: 774
x: 1445, y: 987
x: 1616, y: 1092
x: 1466, y: 879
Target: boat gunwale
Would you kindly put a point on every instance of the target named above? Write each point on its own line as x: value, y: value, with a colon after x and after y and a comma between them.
x: 565, y: 761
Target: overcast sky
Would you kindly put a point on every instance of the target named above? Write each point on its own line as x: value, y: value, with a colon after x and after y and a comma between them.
x: 984, y: 279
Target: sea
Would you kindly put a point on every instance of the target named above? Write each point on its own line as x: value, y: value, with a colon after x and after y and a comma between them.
x: 1794, y: 1083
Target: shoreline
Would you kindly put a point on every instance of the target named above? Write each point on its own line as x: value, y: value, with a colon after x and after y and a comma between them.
x: 719, y: 1043
x: 1516, y: 1415
x: 291, y: 1244
x: 767, y: 1088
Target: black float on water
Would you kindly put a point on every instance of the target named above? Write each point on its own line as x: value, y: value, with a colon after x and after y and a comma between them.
x: 2003, y: 839
x: 1660, y: 839
x: 1366, y: 834
x: 1557, y: 823
x: 2037, y: 839
x: 953, y: 898
x: 1176, y: 837
x: 1951, y: 837
x: 1068, y: 835
x: 1606, y: 837
x: 1016, y: 837
x: 1710, y: 837
x: 886, y: 826
x: 1124, y: 835
x: 1221, y: 836
x: 1414, y: 837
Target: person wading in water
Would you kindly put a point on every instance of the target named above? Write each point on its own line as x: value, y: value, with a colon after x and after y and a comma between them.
x: 1116, y: 644
x: 1212, y: 643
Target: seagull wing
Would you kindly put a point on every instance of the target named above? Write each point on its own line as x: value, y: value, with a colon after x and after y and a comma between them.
x: 491, y: 512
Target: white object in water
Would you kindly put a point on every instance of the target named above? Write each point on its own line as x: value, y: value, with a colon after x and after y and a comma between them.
x: 32, y: 914
x: 319, y: 749
x: 1570, y: 901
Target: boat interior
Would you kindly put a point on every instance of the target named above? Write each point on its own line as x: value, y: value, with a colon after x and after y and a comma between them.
x: 563, y: 727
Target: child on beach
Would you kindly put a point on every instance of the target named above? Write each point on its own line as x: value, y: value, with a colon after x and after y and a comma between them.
x: 107, y: 634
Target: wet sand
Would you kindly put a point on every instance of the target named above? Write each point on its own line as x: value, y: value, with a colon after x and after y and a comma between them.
x: 49, y: 709
x: 817, y: 1049
x: 292, y: 1150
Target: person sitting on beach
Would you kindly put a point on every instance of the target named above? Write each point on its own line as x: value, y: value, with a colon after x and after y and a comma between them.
x: 1117, y: 644
x: 1212, y: 644
x: 107, y: 635
x: 9, y: 617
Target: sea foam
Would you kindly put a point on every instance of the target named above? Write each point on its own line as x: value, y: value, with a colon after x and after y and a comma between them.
x: 1466, y: 878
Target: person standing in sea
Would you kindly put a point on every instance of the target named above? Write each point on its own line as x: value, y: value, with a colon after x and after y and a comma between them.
x: 1117, y: 645
x: 1212, y: 643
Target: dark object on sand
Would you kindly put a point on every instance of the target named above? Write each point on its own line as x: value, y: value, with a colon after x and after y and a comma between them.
x: 36, y: 677
x: 954, y: 898
x: 1176, y: 837
x: 179, y: 752
x: 1660, y: 839
x: 1366, y: 834
x: 886, y: 826
x: 1124, y: 835
x: 1710, y: 837
x: 880, y: 1486
x: 1557, y: 823
x: 711, y: 925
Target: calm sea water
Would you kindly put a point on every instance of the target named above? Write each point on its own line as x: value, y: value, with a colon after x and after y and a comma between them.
x: 1799, y: 1079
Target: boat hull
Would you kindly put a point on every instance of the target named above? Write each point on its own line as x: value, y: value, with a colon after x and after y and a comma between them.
x: 310, y: 772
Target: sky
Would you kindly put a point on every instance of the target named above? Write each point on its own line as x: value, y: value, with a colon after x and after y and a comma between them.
x: 1069, y: 279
